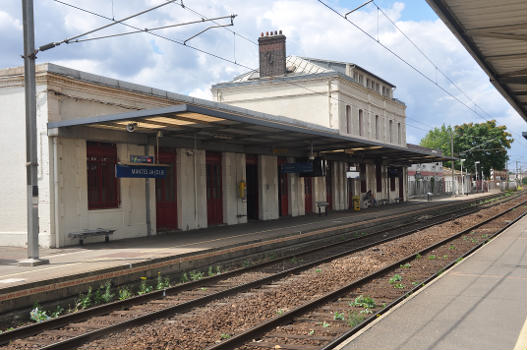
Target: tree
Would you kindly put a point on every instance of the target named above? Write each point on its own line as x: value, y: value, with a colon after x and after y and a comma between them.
x: 439, y: 139
x: 483, y: 142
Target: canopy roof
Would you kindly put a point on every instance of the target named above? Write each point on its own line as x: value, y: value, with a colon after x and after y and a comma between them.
x: 495, y: 34
x: 217, y: 126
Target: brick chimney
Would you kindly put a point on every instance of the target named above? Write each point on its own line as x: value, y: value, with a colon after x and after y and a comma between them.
x: 272, y: 54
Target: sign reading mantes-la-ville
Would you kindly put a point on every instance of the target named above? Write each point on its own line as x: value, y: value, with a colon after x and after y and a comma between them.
x: 141, y: 171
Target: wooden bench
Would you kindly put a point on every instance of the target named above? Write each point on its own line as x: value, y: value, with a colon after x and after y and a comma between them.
x: 382, y: 202
x: 81, y: 235
x: 324, y: 205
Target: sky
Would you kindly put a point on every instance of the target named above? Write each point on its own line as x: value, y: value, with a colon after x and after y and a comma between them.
x: 312, y: 30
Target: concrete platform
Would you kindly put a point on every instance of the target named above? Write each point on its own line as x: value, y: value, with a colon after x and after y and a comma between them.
x: 480, y: 303
x: 73, y: 269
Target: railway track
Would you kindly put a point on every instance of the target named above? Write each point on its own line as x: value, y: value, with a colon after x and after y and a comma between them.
x: 323, y: 322
x: 71, y: 331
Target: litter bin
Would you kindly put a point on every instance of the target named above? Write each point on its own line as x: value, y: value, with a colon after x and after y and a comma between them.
x: 356, y: 203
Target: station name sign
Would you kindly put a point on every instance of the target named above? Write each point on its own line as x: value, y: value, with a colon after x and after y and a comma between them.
x: 141, y: 170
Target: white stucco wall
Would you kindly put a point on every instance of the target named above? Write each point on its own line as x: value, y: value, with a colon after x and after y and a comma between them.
x: 192, y: 187
x: 310, y: 105
x: 267, y: 187
x: 295, y: 192
x: 340, y: 190
x: 13, y: 193
x: 372, y: 104
x: 319, y: 191
x: 129, y: 219
x: 233, y: 171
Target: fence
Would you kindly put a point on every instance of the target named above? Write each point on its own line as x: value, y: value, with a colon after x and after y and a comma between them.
x: 419, y: 188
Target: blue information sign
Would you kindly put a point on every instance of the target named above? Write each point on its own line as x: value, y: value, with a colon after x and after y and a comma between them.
x: 297, y: 167
x: 141, y: 171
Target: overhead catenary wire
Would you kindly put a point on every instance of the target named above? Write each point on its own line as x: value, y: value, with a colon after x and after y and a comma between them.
x: 148, y: 30
x: 212, y: 54
x: 250, y: 70
x: 436, y: 68
x: 114, y: 22
x: 184, y: 6
x: 175, y: 41
x: 417, y: 70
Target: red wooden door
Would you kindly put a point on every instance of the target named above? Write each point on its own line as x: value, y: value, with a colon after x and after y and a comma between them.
x: 283, y: 196
x: 308, y: 194
x: 329, y: 185
x: 166, y: 193
x: 251, y: 172
x: 214, y: 194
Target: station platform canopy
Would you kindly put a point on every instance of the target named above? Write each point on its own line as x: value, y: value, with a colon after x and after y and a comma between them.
x: 495, y: 34
x: 220, y: 127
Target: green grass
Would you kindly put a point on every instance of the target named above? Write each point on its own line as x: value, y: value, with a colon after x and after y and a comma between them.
x: 354, y: 319
x: 395, y: 278
x: 364, y: 302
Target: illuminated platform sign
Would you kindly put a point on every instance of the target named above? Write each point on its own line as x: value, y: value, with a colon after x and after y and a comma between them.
x: 141, y: 171
x: 141, y: 159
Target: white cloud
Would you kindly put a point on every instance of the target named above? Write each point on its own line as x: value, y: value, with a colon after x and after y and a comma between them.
x: 311, y: 30
x: 8, y: 22
x: 201, y: 93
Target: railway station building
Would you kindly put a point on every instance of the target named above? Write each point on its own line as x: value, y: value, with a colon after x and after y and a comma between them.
x: 140, y: 161
x: 340, y: 96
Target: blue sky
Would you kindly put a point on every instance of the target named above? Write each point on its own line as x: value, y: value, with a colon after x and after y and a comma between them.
x: 311, y: 31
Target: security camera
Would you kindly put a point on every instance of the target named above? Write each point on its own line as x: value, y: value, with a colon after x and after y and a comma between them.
x: 130, y: 127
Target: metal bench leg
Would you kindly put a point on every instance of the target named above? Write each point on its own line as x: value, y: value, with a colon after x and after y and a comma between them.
x: 81, y: 241
x: 106, y: 238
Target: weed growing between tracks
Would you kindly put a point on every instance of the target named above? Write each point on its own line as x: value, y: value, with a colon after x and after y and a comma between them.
x: 326, y: 272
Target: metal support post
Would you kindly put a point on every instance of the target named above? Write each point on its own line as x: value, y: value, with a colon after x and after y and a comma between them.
x: 31, y: 137
x: 452, y: 157
x: 147, y: 197
x: 476, y: 172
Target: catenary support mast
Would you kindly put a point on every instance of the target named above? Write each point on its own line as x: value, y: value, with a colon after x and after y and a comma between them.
x: 31, y: 137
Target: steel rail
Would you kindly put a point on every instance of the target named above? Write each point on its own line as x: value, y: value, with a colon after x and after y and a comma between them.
x: 63, y: 320
x: 106, y: 308
x: 185, y: 306
x: 355, y: 329
x: 254, y: 332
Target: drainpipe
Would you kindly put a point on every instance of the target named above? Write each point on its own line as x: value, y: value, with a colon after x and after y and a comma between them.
x: 329, y: 105
x: 56, y: 204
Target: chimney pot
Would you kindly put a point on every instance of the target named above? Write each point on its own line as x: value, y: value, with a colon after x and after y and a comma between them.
x: 272, y: 54
x: 261, y: 34
x: 280, y: 32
